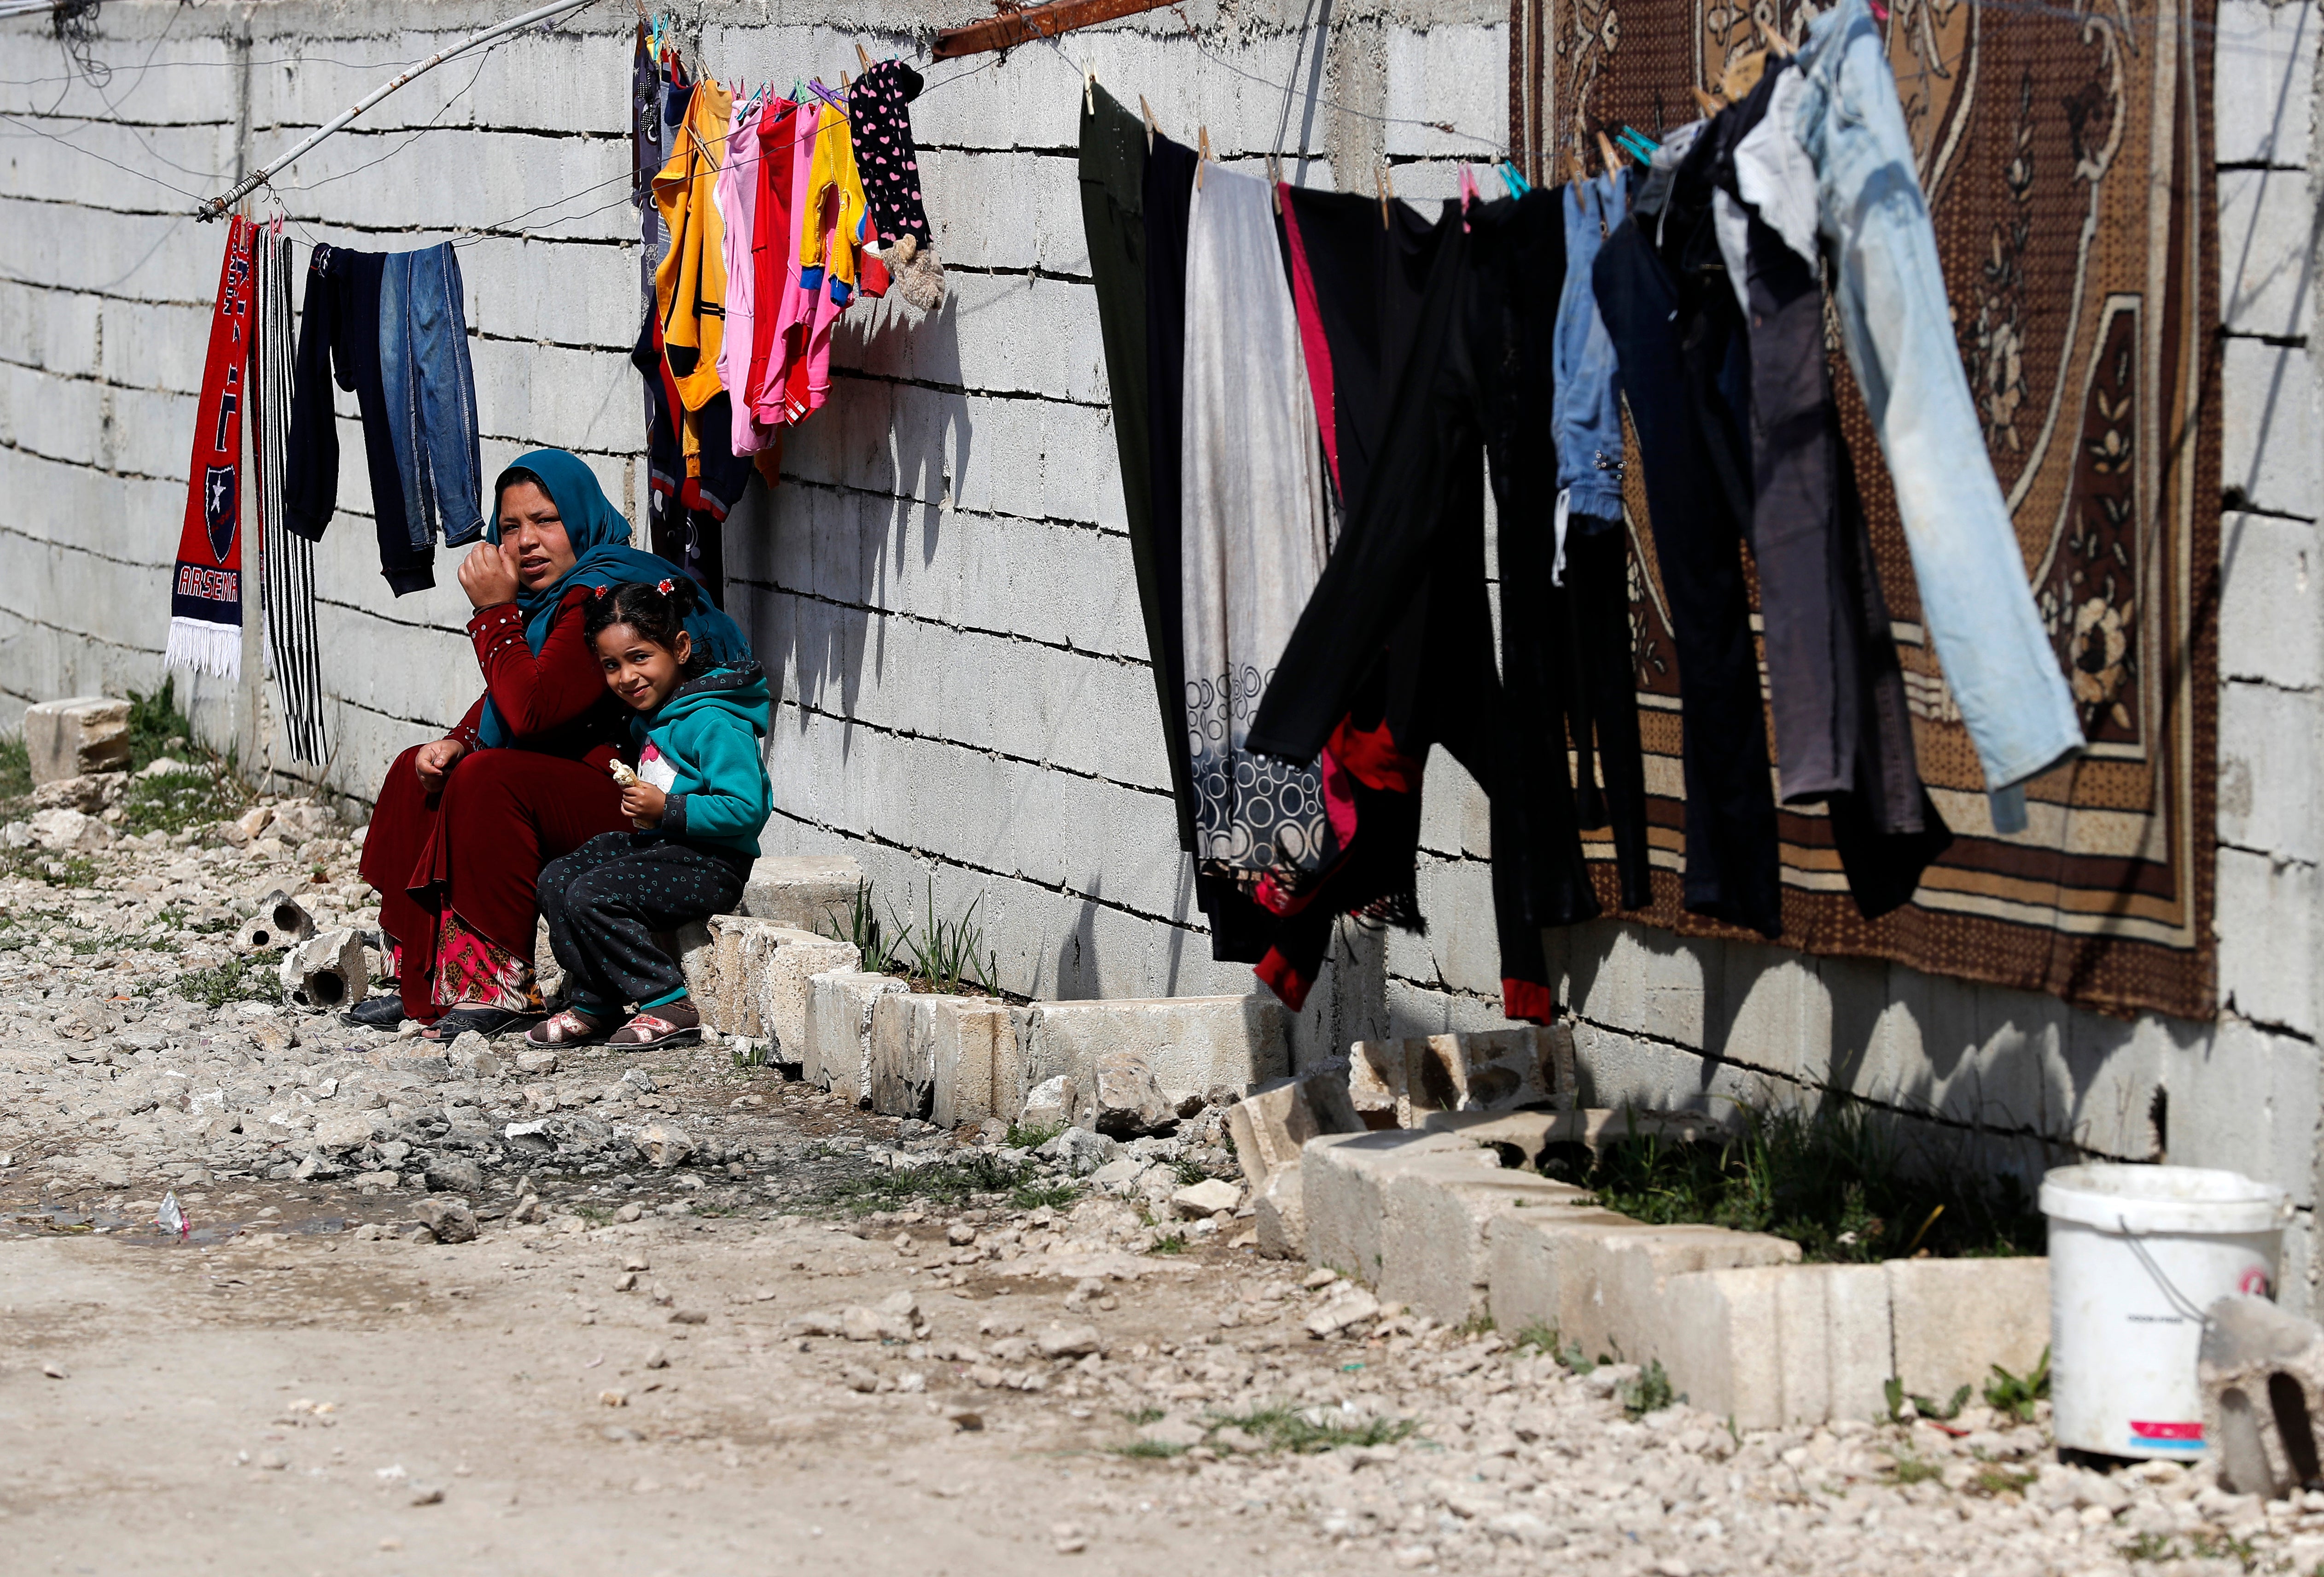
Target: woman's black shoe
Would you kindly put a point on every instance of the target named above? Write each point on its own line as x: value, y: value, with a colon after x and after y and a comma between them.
x: 379, y: 1013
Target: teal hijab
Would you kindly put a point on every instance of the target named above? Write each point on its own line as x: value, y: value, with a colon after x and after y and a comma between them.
x: 601, y: 557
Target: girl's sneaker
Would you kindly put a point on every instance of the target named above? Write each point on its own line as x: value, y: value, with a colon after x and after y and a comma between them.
x: 671, y: 1024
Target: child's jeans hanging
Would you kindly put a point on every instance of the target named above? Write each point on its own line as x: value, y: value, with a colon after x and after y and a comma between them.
x: 431, y: 395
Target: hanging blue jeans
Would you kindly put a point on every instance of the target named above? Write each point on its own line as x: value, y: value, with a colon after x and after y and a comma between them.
x: 431, y: 395
x: 1890, y: 292
x: 1587, y: 408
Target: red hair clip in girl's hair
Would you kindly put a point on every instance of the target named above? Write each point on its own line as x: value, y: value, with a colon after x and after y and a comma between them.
x: 601, y: 590
x: 663, y: 587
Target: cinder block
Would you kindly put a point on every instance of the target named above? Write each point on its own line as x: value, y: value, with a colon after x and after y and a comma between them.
x: 932, y: 1056
x: 1778, y: 1344
x: 839, y: 1010
x: 1195, y: 1045
x: 2264, y: 88
x: 806, y: 891
x: 65, y: 739
x: 750, y: 978
x: 778, y: 962
x: 1280, y: 1215
x: 1434, y: 1238
x: 1397, y: 1084
x: 1954, y: 1319
x: 2264, y: 915
x: 2265, y: 217
x: 2269, y: 447
x: 1343, y: 1188
x: 2267, y: 753
x: 1524, y: 1139
x: 1270, y: 1124
x: 2271, y: 629
x: 1600, y: 1279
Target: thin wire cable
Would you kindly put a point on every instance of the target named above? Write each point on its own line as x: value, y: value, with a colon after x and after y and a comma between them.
x: 474, y: 78
x: 93, y: 153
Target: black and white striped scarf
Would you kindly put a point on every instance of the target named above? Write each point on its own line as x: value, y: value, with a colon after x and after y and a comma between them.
x: 286, y: 560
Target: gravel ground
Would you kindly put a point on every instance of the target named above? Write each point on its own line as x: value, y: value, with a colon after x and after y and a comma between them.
x: 810, y: 1337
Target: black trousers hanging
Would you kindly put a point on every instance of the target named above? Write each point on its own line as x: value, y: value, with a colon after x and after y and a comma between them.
x: 604, y: 901
x: 1599, y: 683
x: 1731, y: 862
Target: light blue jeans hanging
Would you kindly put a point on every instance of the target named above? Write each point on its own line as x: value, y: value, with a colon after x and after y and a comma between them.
x: 1890, y: 292
x: 431, y: 393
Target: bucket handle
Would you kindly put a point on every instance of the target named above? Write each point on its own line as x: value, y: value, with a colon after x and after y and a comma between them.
x: 2180, y: 1302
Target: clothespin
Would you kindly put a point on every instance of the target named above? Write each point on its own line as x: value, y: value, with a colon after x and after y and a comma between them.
x: 1513, y: 177
x: 862, y: 59
x: 1606, y: 152
x: 843, y: 82
x: 1879, y: 12
x: 1638, y: 143
x: 1088, y: 88
x: 1386, y: 186
x: 1147, y: 110
x: 1275, y: 182
x: 1776, y: 41
x: 1709, y: 102
x: 1205, y: 156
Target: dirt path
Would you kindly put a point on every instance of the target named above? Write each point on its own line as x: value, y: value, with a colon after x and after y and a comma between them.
x: 713, y: 1322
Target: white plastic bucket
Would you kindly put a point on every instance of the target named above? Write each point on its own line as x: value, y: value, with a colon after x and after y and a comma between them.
x: 2137, y: 1255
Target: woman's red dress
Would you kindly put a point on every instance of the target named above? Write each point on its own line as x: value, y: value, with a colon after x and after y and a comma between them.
x: 456, y: 870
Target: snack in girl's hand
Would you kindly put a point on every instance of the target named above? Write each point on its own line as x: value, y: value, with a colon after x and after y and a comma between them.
x: 621, y: 773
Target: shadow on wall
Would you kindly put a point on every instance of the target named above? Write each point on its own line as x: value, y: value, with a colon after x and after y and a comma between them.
x: 2029, y: 1081
x: 808, y: 560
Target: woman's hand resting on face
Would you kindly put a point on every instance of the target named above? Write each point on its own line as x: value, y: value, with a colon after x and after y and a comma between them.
x: 488, y: 574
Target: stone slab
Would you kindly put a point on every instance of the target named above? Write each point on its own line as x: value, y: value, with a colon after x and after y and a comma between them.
x: 932, y: 1056
x: 1599, y: 1279
x: 1195, y: 1045
x: 838, y: 1052
x: 1954, y: 1319
x: 1270, y: 1124
x: 812, y: 892
x: 749, y: 977
x: 1776, y: 1344
x: 1435, y: 1251
x: 70, y: 738
x: 1344, y: 1191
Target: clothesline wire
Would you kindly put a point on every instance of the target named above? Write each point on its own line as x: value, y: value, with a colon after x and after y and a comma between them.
x: 492, y: 232
x: 495, y: 231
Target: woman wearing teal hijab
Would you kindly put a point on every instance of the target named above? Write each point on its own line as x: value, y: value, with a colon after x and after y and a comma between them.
x: 463, y: 824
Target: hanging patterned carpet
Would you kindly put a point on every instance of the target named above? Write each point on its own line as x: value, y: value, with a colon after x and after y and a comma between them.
x: 2067, y: 158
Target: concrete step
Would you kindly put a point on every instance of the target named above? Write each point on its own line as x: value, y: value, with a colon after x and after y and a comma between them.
x: 1432, y: 1218
x: 810, y: 892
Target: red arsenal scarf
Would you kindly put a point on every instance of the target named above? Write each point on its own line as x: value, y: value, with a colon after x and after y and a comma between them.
x: 206, y: 592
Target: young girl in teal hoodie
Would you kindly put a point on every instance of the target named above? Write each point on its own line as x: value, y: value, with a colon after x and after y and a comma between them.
x: 699, y: 796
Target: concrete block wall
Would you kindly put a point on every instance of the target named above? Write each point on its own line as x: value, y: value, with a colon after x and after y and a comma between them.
x: 942, y: 586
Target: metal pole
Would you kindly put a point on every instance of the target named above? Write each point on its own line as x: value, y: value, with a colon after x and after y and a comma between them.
x: 219, y: 206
